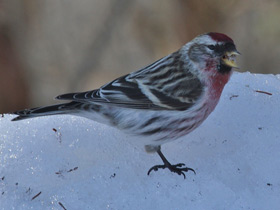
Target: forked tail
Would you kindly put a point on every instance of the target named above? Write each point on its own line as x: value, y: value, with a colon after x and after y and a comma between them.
x: 45, y: 110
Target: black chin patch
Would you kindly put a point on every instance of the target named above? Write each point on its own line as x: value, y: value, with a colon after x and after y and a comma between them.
x: 224, y: 69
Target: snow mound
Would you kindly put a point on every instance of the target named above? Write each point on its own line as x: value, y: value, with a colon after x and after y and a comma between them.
x: 66, y: 162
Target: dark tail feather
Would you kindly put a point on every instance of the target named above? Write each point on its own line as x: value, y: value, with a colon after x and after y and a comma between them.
x: 46, y: 110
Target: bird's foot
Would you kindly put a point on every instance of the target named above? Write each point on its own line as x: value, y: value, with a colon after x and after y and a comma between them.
x: 178, y: 168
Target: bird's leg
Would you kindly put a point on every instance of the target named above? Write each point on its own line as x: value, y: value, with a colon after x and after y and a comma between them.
x: 177, y: 168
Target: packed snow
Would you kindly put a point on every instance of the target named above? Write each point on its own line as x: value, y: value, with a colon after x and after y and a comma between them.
x: 67, y: 162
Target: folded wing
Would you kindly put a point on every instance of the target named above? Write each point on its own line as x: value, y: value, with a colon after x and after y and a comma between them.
x: 163, y: 85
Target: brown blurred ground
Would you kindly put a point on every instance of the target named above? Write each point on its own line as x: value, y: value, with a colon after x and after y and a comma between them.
x: 52, y: 47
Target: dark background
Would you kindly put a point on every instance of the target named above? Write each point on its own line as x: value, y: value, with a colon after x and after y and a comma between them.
x: 57, y: 46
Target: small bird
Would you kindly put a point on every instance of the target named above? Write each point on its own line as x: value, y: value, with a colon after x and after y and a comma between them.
x: 160, y: 102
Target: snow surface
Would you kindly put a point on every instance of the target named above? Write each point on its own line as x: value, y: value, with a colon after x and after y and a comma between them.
x: 79, y: 164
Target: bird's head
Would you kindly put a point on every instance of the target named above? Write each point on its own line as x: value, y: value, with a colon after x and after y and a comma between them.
x: 214, y: 48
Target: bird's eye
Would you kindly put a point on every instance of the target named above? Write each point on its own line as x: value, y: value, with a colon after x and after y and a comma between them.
x: 211, y: 47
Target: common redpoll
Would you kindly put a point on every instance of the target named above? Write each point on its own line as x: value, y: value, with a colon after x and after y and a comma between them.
x: 161, y: 102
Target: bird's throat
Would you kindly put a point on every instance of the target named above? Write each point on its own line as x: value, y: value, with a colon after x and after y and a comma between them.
x: 223, y: 69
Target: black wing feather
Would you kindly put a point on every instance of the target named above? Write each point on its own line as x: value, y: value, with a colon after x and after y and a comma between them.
x: 135, y: 90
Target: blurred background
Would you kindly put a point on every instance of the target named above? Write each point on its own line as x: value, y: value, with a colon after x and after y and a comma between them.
x: 52, y: 47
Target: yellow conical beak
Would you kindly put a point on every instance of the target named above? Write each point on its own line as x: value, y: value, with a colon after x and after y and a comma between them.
x: 229, y: 58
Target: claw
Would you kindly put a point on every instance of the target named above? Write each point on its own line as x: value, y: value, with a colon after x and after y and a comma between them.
x: 173, y: 168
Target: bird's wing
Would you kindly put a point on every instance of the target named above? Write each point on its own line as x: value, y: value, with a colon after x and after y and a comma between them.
x: 164, y: 85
